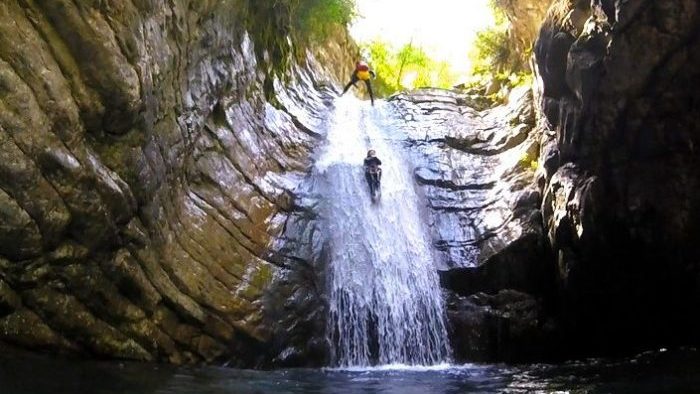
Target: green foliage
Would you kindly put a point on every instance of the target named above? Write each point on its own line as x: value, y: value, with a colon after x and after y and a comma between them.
x: 445, y: 77
x: 383, y: 61
x: 528, y: 161
x: 412, y: 67
x: 271, y: 22
x: 306, y: 20
x: 497, y: 66
x: 408, y: 67
x: 316, y: 19
x: 268, y: 36
x: 493, y: 51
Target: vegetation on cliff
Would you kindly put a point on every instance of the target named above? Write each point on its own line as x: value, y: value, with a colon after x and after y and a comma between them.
x: 501, y: 53
x: 316, y: 19
x: 141, y: 175
x: 305, y: 22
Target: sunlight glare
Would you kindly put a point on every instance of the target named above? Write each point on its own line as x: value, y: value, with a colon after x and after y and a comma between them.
x: 444, y: 28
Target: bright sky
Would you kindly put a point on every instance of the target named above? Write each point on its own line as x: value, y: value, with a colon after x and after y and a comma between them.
x: 444, y: 28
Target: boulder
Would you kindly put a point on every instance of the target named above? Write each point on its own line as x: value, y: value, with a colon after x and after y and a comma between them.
x: 506, y: 326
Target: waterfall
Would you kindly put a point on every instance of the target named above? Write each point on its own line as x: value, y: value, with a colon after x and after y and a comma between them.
x: 385, y: 301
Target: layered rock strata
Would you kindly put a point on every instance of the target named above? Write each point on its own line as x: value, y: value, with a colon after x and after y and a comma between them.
x: 150, y: 152
x: 147, y: 149
x: 477, y: 174
x: 615, y: 182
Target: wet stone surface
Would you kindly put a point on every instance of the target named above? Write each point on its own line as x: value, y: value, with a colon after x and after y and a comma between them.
x: 620, y: 192
x: 477, y: 173
x: 147, y: 152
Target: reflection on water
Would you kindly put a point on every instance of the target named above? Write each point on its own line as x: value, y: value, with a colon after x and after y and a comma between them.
x: 652, y: 372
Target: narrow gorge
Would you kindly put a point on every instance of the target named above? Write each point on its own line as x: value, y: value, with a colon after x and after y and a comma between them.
x: 180, y: 181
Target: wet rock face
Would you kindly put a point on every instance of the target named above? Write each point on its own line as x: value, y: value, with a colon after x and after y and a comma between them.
x: 621, y: 204
x: 143, y: 175
x: 478, y: 172
x: 507, y: 325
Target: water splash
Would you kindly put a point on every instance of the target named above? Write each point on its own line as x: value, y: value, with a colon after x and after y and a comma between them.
x: 385, y: 301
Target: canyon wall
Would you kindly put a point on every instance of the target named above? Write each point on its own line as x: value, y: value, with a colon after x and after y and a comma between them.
x: 147, y: 153
x: 621, y: 205
x: 151, y: 152
x: 602, y: 256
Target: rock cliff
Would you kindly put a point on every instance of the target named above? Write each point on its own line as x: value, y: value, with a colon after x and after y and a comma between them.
x: 593, y: 250
x: 620, y: 194
x: 147, y: 150
x: 151, y: 153
x: 477, y: 171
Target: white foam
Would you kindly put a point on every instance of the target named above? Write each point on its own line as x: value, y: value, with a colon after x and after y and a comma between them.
x: 384, y: 290
x: 408, y: 368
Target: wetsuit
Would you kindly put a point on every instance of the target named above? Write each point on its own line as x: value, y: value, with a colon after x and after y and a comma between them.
x: 361, y: 73
x: 369, y: 163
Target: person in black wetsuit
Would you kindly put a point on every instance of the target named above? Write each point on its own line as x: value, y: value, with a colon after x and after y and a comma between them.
x: 362, y: 73
x: 372, y: 168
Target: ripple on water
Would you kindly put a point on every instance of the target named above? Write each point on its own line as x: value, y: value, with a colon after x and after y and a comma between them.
x: 653, y: 372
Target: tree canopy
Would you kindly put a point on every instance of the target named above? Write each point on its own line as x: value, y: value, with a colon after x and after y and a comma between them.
x: 406, y: 67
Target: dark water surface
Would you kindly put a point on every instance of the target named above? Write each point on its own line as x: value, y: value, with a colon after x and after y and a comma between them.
x: 651, y: 372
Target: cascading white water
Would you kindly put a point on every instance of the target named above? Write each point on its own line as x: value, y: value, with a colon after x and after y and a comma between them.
x: 385, y: 300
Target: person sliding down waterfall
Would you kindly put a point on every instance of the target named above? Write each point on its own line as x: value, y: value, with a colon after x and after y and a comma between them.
x: 362, y: 73
x: 373, y: 173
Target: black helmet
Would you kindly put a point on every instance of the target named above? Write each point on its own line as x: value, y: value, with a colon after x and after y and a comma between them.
x: 371, y: 152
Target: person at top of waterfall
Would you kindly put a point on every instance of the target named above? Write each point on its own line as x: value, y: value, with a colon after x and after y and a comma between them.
x: 362, y: 73
x: 372, y: 168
